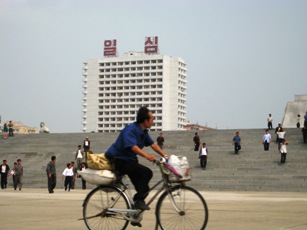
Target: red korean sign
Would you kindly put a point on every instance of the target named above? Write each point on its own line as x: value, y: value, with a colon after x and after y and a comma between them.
x: 151, y: 45
x: 110, y: 49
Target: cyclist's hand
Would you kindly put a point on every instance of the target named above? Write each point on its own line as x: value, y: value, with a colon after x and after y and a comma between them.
x: 151, y: 158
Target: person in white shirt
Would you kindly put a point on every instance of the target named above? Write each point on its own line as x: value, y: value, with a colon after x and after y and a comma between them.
x: 203, y: 155
x: 79, y: 157
x: 68, y: 174
x: 283, y: 151
x: 270, y: 122
x: 281, y: 137
x: 266, y: 140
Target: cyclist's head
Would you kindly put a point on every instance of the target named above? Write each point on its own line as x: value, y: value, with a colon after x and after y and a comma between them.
x: 145, y: 117
x: 142, y: 114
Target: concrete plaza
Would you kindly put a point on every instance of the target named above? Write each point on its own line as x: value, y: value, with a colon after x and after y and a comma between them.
x: 36, y: 209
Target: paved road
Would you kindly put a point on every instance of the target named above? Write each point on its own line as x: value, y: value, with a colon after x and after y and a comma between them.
x: 33, y: 209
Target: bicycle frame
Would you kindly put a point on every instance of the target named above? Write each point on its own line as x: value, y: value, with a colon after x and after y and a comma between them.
x: 134, y: 211
x: 125, y: 212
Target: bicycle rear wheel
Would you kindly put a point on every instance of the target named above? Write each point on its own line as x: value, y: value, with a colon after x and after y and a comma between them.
x: 95, y: 208
x: 183, y: 208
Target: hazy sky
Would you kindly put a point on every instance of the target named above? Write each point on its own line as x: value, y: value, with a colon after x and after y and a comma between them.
x: 245, y: 58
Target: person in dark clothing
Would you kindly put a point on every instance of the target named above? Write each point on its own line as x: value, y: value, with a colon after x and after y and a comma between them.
x: 5, y: 171
x: 160, y: 141
x: 196, y: 141
x: 83, y: 167
x: 304, y: 133
x: 86, y: 145
x: 51, y: 174
x: 236, y: 141
x: 11, y: 129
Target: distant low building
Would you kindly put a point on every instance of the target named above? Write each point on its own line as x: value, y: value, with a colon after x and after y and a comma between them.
x: 190, y: 127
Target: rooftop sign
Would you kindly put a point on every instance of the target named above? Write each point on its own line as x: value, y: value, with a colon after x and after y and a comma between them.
x: 110, y: 49
x: 151, y: 45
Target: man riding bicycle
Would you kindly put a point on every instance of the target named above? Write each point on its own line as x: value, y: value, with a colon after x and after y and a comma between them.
x: 123, y: 153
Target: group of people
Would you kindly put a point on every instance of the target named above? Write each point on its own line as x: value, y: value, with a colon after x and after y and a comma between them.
x: 267, y: 139
x: 280, y: 136
x: 70, y: 173
x: 202, y: 151
x: 8, y: 130
x: 16, y: 172
x: 280, y: 140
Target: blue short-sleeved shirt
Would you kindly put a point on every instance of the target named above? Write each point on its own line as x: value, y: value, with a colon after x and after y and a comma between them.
x: 236, y: 139
x: 130, y: 136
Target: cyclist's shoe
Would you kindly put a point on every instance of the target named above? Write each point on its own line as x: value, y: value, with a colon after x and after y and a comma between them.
x: 140, y: 204
x: 137, y: 224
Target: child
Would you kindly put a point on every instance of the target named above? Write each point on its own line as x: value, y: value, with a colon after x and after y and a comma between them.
x: 203, y: 154
x: 283, y: 151
x: 68, y: 174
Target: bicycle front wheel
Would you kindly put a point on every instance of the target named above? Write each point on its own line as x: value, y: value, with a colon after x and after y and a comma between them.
x: 95, y: 209
x: 182, y: 208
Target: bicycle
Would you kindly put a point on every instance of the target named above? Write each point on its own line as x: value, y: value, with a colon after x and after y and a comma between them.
x: 178, y: 207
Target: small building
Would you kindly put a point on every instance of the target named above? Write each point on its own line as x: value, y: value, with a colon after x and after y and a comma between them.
x: 190, y: 127
x: 20, y: 128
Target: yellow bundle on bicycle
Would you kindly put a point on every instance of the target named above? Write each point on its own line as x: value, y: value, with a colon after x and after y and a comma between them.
x: 98, y: 161
x: 97, y: 177
x: 181, y: 169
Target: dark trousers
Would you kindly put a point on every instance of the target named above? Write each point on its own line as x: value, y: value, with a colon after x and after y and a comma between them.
x: 68, y: 182
x: 18, y: 182
x: 139, y: 175
x: 237, y: 147
x: 51, y: 183
x: 283, y: 158
x: 203, y: 161
x: 83, y: 184
x: 266, y: 146
x: 270, y: 125
x: 11, y: 132
x: 196, y: 146
x: 3, y: 180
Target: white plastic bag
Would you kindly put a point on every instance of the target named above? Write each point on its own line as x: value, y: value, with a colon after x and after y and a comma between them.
x: 181, y: 165
x: 97, y: 177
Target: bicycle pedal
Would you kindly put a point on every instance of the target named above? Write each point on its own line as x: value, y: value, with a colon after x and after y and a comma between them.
x: 138, y: 224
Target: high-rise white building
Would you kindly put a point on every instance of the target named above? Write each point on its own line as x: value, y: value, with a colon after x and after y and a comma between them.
x: 116, y: 87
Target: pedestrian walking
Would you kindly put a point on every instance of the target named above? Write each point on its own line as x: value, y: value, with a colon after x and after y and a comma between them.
x: 283, y: 151
x: 51, y: 174
x: 270, y: 122
x: 203, y: 156
x: 160, y: 140
x: 5, y: 171
x: 196, y: 141
x: 266, y: 140
x: 236, y: 141
x: 68, y: 175
x: 18, y: 169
